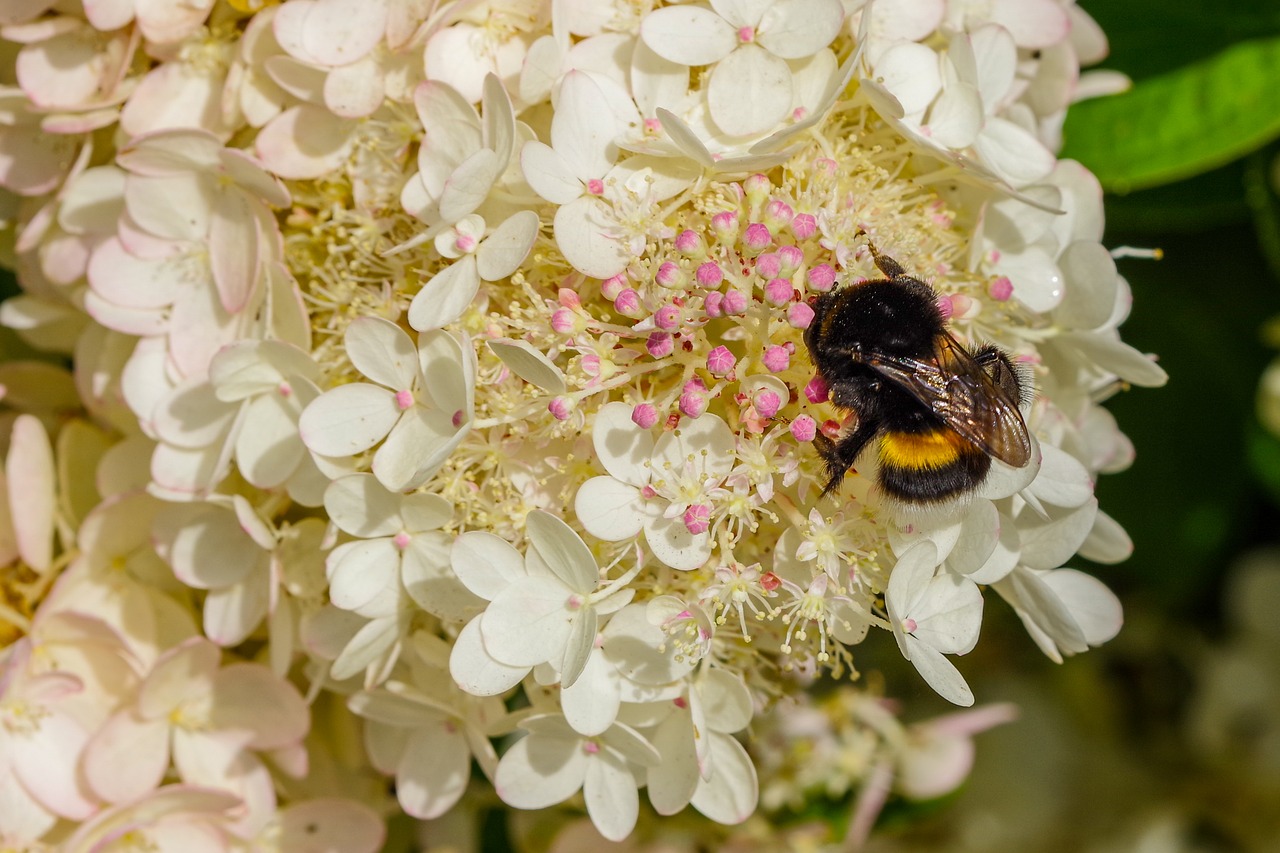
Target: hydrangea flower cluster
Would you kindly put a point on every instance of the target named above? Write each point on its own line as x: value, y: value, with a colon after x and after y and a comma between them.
x: 439, y: 400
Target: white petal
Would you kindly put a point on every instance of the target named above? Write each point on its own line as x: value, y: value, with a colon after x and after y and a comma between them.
x: 726, y: 701
x: 548, y: 173
x: 939, y: 673
x: 956, y: 117
x: 673, y: 781
x: 706, y: 444
x: 505, y: 249
x: 445, y: 296
x: 433, y: 772
x: 949, y: 614
x: 609, y: 789
x: 359, y: 505
x: 622, y: 447
x: 910, y: 72
x: 1047, y: 544
x: 1095, y: 607
x: 268, y: 451
x: 528, y: 623
x: 382, y: 351
x: 609, y: 509
x: 588, y: 236
x: 415, y: 449
x: 979, y: 533
x: 1062, y: 480
x: 540, y: 770
x: 348, y: 419
x: 485, y: 563
x: 563, y: 551
x: 690, y: 35
x: 1091, y: 285
x: 233, y: 612
x: 639, y: 650
x: 749, y: 91
x: 371, y: 641
x: 591, y: 703
x: 730, y: 795
x: 475, y: 670
x: 1107, y: 541
x: 794, y: 29
x: 430, y: 582
x: 364, y: 577
x: 468, y: 185
x: 673, y: 544
x: 1013, y: 153
x: 1115, y: 356
x: 529, y: 364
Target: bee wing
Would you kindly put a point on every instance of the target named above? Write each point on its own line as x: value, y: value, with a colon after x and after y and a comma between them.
x: 956, y: 388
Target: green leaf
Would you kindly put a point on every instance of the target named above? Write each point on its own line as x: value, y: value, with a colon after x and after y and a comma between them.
x: 1182, y: 123
x: 1261, y: 196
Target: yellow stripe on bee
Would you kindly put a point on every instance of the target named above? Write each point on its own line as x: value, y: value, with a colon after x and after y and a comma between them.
x: 935, y: 449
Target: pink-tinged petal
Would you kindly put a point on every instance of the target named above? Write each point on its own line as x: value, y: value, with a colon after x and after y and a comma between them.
x: 434, y: 771
x: 45, y: 760
x: 589, y: 238
x: 250, y: 176
x: 269, y: 450
x: 20, y: 813
x: 175, y: 95
x: 382, y: 351
x: 233, y: 250
x: 141, y: 322
x: 1033, y: 23
x: 231, y: 613
x: 541, y: 770
x: 446, y: 296
x: 416, y: 447
x: 609, y: 509
x: 164, y: 22
x: 242, y: 690
x: 338, y: 32
x: 672, y: 543
x: 328, y: 825
x: 355, y: 90
x: 305, y: 142
x: 65, y: 71
x: 689, y: 35
x: 430, y: 582
x: 192, y: 416
x: 505, y: 249
x: 934, y: 764
x: 749, y: 91
x: 939, y: 673
x: 468, y: 186
x: 174, y: 207
x: 563, y: 551
x: 33, y: 162
x: 107, y: 15
x: 729, y: 797
x: 609, y: 789
x: 529, y: 622
x: 182, y: 674
x: 364, y: 576
x: 180, y: 475
x: 30, y: 474
x: 127, y: 758
x: 795, y: 29
x: 92, y: 201
x: 128, y: 281
x: 170, y: 153
x: 474, y: 669
x: 348, y: 419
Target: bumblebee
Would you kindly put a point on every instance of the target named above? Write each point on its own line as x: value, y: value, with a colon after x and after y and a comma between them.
x: 937, y: 412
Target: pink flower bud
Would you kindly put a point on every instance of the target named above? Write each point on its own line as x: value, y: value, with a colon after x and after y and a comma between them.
x: 817, y: 390
x: 611, y: 287
x: 768, y: 265
x: 565, y: 322
x: 402, y: 540
x: 767, y: 403
x: 709, y: 274
x: 757, y: 188
x: 595, y: 186
x: 670, y: 275
x: 777, y: 213
x: 725, y: 226
x: 777, y: 359
x: 667, y: 317
x: 689, y: 242
x: 645, y: 416
x: 714, y: 304
x: 561, y: 407
x: 1000, y: 289
x: 826, y: 164
x: 695, y: 385
x: 720, y: 361
x: 735, y: 303
x: 821, y: 278
x: 945, y: 307
x: 697, y: 518
x: 769, y: 581
x: 627, y: 303
x: 961, y: 305
x: 756, y: 238
x: 804, y: 226
x: 568, y: 297
x: 804, y: 428
x: 404, y: 399
x: 778, y: 291
x: 693, y: 404
x: 800, y: 315
x: 660, y: 344
x: 791, y: 258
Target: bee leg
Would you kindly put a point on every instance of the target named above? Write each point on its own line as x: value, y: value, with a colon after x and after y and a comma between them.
x: 887, y: 265
x: 840, y: 455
